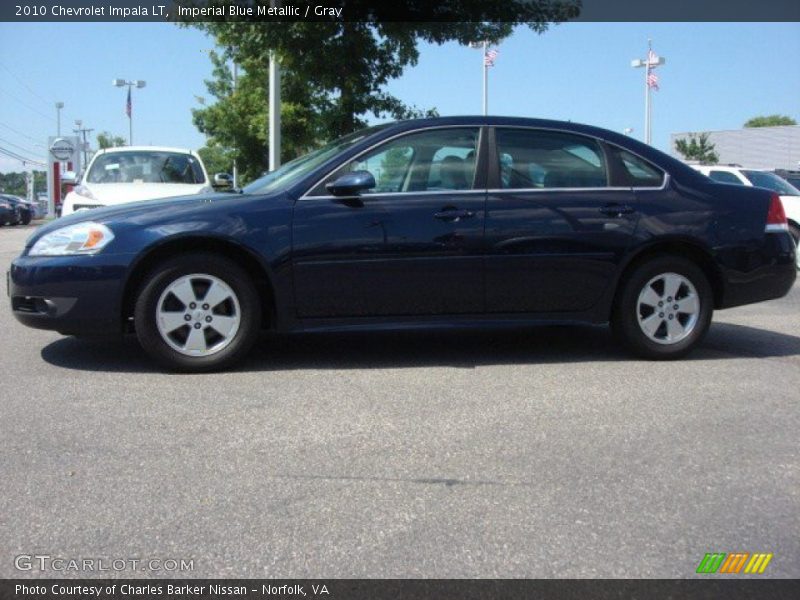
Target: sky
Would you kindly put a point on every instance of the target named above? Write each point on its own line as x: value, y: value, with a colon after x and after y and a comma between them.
x: 716, y: 76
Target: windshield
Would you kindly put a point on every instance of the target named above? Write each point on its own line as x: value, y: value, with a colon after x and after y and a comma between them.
x: 148, y: 166
x: 300, y: 167
x: 771, y: 182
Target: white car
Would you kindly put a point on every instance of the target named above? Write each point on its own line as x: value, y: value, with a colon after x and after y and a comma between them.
x: 790, y: 195
x: 127, y: 174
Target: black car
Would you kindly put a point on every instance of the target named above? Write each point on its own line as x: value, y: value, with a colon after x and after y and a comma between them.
x: 447, y: 222
x: 23, y: 212
x: 9, y: 211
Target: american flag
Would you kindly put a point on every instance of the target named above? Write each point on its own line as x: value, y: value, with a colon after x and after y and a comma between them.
x: 128, y: 106
x: 652, y: 63
x: 490, y: 57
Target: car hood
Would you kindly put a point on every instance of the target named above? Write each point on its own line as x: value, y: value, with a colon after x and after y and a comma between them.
x: 119, y: 193
x: 131, y: 210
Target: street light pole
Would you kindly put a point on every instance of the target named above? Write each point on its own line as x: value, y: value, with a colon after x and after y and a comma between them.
x: 235, y: 80
x: 138, y: 83
x: 486, y: 62
x: 485, y: 81
x: 59, y: 106
x: 274, y: 108
x: 649, y: 63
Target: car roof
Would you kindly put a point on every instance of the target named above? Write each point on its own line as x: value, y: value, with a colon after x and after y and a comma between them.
x: 145, y: 149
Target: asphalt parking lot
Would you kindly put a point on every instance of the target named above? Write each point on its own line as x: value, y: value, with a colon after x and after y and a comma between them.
x: 538, y: 453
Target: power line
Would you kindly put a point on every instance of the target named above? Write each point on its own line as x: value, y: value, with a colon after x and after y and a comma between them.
x: 18, y: 132
x: 25, y: 85
x: 19, y: 157
x: 22, y: 102
x: 28, y: 150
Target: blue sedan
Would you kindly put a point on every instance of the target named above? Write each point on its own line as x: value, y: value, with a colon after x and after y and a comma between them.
x: 447, y: 222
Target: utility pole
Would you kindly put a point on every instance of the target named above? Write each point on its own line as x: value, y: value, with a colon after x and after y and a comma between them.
x: 82, y: 131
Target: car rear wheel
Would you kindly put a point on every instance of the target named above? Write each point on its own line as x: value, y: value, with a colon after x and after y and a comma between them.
x: 26, y: 219
x: 197, y: 312
x: 664, y: 308
x: 796, y: 236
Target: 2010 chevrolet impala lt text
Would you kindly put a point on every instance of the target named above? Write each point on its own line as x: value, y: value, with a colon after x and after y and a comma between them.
x: 445, y: 222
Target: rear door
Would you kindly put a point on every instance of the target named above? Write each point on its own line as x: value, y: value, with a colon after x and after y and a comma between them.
x: 556, y: 228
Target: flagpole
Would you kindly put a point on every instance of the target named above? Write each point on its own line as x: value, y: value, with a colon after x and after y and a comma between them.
x: 647, y: 93
x: 485, y: 81
x: 130, y: 117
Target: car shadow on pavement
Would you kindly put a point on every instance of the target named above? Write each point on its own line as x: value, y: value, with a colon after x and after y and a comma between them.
x: 457, y: 349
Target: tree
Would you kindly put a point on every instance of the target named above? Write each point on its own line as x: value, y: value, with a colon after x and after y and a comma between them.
x: 334, y: 73
x: 698, y: 148
x: 216, y: 159
x: 15, y: 183
x: 107, y: 140
x: 770, y: 121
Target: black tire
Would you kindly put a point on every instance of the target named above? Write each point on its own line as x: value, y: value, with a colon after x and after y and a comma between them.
x: 627, y: 311
x: 796, y: 236
x: 168, y: 272
x: 26, y: 219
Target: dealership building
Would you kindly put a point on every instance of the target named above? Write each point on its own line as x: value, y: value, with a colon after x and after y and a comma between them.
x: 754, y: 147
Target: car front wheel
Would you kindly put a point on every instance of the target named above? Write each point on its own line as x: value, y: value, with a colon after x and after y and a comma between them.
x: 197, y: 313
x: 664, y: 308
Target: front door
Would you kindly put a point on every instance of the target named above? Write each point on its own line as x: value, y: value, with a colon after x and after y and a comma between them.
x: 410, y: 246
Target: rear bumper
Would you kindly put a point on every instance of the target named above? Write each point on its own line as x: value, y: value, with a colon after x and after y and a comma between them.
x: 763, y: 273
x: 76, y: 295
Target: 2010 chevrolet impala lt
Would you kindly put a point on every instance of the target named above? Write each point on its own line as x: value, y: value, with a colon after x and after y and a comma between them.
x: 445, y: 222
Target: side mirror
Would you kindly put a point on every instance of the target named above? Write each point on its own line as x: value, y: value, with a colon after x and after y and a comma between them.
x: 69, y: 178
x: 351, y: 184
x: 222, y: 181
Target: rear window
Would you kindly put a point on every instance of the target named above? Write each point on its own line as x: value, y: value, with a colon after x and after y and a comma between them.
x: 724, y: 177
x: 146, y: 167
x: 637, y: 172
x: 771, y: 182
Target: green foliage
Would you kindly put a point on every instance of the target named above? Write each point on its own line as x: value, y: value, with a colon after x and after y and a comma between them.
x: 107, y: 140
x: 333, y: 73
x: 770, y: 121
x: 216, y: 159
x: 698, y: 148
x: 14, y: 183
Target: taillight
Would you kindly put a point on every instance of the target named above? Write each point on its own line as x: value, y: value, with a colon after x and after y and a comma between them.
x: 776, y: 217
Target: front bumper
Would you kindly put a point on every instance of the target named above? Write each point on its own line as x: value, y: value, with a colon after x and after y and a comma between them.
x: 74, y: 295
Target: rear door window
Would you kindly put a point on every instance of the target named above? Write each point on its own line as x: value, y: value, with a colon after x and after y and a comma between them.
x: 542, y: 159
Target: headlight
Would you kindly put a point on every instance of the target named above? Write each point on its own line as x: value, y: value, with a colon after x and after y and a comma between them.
x: 84, y: 191
x: 81, y: 238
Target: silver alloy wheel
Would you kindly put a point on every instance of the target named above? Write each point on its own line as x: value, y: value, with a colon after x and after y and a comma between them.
x: 198, y: 315
x: 668, y: 308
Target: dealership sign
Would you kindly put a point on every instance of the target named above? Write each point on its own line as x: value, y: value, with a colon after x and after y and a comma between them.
x: 62, y: 149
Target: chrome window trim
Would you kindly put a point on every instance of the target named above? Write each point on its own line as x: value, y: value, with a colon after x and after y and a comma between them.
x: 482, y: 127
x: 389, y: 139
x: 390, y: 194
x: 584, y: 189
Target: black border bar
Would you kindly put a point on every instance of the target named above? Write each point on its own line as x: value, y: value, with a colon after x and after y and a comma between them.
x: 398, y: 589
x: 400, y: 10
